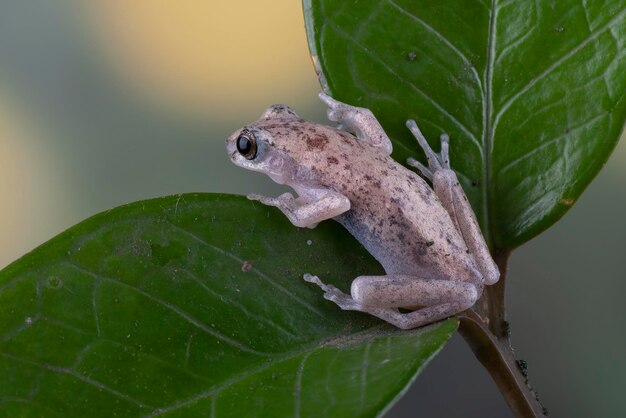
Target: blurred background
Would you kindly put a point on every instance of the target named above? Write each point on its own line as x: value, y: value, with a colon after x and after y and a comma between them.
x: 107, y: 102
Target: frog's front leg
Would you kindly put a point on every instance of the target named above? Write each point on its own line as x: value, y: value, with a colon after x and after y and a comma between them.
x: 382, y: 295
x: 318, y: 205
x: 359, y: 121
x: 452, y: 197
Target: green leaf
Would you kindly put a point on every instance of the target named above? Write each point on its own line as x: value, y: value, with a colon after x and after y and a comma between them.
x: 192, y: 305
x: 532, y: 93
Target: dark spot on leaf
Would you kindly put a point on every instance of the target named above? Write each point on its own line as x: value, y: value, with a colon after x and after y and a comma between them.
x: 54, y: 282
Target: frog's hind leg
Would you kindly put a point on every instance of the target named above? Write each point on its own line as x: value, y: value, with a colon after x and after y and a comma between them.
x: 436, y: 298
x: 358, y: 121
x: 382, y: 295
x: 452, y: 197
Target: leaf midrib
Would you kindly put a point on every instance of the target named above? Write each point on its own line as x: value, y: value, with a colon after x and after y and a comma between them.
x: 487, y: 134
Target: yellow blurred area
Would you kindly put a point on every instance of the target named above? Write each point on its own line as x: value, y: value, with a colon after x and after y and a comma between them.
x: 206, y: 56
x: 221, y: 62
x: 25, y: 187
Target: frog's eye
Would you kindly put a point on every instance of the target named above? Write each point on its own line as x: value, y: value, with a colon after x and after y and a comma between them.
x: 246, y: 145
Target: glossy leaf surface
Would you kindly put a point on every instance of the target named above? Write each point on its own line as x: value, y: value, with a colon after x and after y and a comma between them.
x: 532, y: 93
x: 194, y: 305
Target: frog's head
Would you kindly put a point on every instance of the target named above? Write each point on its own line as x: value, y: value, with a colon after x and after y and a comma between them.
x: 255, y: 147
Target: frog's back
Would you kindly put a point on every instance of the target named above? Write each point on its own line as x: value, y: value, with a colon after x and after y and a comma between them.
x: 394, y: 213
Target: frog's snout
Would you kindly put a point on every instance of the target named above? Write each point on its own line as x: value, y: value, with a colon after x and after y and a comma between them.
x: 231, y: 146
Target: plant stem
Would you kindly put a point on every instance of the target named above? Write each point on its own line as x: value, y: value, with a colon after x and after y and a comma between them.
x: 486, y: 331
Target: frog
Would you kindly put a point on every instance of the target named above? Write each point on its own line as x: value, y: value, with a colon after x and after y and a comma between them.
x: 419, y: 225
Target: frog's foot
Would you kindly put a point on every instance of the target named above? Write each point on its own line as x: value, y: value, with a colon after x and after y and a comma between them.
x: 358, y: 121
x: 338, y: 111
x: 333, y: 294
x: 436, y: 161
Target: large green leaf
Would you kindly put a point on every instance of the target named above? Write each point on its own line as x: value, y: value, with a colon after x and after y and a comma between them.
x: 194, y: 305
x: 532, y: 93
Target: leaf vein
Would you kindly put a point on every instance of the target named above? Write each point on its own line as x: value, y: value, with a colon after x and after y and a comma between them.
x: 309, y: 350
x: 363, y: 381
x: 236, y: 304
x: 264, y: 276
x: 79, y: 376
x: 442, y: 38
x: 592, y: 36
x: 297, y: 390
x: 413, y: 87
x: 176, y: 310
x: 550, y: 141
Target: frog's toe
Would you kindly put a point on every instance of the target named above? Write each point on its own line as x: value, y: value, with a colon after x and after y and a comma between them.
x: 258, y: 198
x: 330, y: 102
x: 334, y: 114
x: 285, y: 197
x: 444, y: 155
x: 342, y: 300
x: 269, y: 201
x: 328, y: 288
x: 421, y: 167
x: 336, y: 295
x: 313, y: 279
x: 436, y: 161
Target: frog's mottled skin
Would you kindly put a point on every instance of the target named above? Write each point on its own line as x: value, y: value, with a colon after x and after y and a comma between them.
x: 427, y: 239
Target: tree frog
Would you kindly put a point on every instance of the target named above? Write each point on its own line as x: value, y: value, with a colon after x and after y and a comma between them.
x: 426, y: 237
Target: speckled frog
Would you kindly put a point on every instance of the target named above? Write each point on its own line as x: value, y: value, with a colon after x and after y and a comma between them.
x: 426, y: 238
